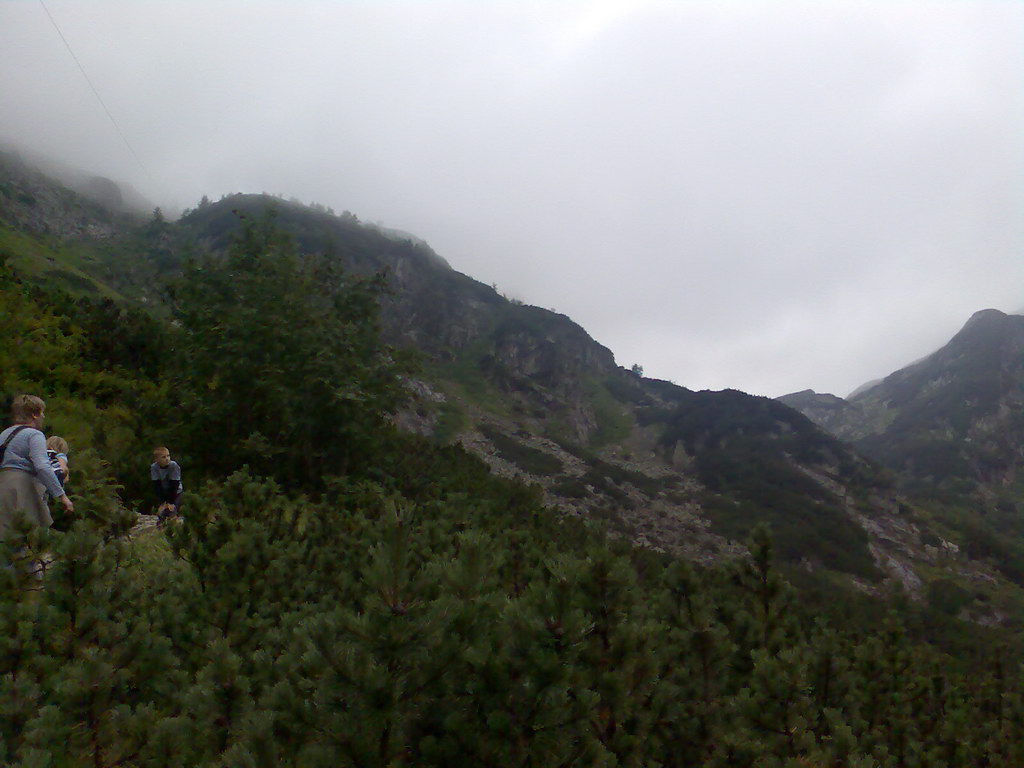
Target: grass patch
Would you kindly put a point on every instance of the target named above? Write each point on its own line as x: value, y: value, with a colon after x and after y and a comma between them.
x: 40, y: 262
x: 614, y: 423
x: 612, y: 518
x: 466, y: 374
x: 72, y: 282
x: 451, y: 420
x: 626, y: 389
x: 570, y: 488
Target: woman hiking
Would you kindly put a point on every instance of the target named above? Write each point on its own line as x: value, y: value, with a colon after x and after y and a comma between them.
x: 25, y: 471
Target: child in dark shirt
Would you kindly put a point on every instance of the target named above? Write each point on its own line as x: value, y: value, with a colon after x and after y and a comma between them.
x: 166, y: 477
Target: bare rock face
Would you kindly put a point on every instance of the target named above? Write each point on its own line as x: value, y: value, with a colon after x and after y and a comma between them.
x: 843, y: 419
x: 36, y: 203
x: 45, y: 197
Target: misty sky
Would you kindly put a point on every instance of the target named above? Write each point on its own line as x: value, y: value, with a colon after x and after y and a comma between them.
x: 769, y: 196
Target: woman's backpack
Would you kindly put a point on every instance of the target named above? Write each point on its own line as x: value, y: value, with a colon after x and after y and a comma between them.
x: 3, y: 448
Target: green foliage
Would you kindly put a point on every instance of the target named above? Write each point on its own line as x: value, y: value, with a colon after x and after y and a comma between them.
x: 441, y: 617
x: 626, y: 389
x: 570, y: 487
x: 948, y: 597
x: 995, y: 538
x: 83, y: 357
x: 466, y: 371
x: 279, y: 363
x: 753, y: 479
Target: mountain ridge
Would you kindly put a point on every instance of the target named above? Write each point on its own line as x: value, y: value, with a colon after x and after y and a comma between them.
x: 987, y: 350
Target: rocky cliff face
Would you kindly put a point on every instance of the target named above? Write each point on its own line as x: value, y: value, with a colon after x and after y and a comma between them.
x: 834, y: 414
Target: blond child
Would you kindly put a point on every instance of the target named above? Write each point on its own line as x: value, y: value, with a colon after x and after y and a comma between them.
x: 57, y: 452
x: 166, y: 477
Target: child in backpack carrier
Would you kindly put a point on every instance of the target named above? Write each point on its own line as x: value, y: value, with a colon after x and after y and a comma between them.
x: 166, y: 477
x: 57, y: 452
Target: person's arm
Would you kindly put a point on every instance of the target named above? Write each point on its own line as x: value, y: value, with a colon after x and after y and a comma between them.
x: 175, y: 485
x: 44, y: 470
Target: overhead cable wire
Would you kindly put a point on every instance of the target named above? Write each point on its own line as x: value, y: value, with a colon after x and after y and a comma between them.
x: 96, y: 93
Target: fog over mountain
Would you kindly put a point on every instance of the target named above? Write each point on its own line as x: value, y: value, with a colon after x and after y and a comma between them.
x: 765, y: 196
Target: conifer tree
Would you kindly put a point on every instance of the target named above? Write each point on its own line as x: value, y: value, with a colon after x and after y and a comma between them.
x: 535, y: 702
x: 695, y: 651
x: 762, y: 618
x: 280, y: 363
x: 891, y: 685
x: 771, y: 720
x: 380, y: 661
x: 103, y: 676
x: 619, y: 655
x: 987, y: 719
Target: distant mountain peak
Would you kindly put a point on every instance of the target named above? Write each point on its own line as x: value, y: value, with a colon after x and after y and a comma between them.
x: 986, y: 316
x: 810, y: 396
x: 991, y: 328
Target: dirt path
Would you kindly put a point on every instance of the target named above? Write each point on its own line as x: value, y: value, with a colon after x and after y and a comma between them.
x: 146, y: 523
